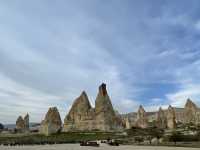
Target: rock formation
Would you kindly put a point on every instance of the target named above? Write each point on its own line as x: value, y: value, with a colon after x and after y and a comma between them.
x: 52, y: 122
x: 22, y: 124
x: 127, y: 123
x: 141, y: 118
x: 171, y: 118
x: 190, y: 111
x: 161, y: 119
x: 106, y: 118
x: 26, y: 121
x: 83, y: 117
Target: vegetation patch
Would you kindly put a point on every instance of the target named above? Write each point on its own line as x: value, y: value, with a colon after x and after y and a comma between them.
x: 59, y: 138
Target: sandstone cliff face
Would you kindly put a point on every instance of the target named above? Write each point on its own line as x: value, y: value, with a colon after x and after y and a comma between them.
x: 171, y: 118
x: 106, y: 118
x: 20, y: 125
x: 127, y: 123
x: 103, y: 102
x: 142, y: 121
x: 83, y: 117
x: 52, y: 122
x: 161, y: 119
x: 26, y: 121
x: 190, y: 111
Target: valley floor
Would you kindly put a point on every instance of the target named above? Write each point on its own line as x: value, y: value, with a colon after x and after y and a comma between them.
x: 102, y: 147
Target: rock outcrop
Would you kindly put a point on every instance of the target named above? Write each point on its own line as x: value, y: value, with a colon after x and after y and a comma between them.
x: 106, y: 118
x: 127, y: 123
x: 190, y: 111
x: 52, y: 122
x: 161, y: 121
x: 171, y: 118
x: 22, y: 124
x: 26, y: 121
x: 83, y: 117
x: 142, y: 121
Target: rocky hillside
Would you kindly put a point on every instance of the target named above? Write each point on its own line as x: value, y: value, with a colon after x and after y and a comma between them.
x: 168, y: 117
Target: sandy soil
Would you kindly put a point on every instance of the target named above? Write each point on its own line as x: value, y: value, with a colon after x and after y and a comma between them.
x: 102, y: 147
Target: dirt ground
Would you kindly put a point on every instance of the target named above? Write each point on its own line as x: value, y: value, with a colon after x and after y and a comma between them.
x: 102, y: 147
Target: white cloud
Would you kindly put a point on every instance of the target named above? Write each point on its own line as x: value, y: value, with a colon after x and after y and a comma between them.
x: 152, y: 108
x: 17, y: 99
x: 126, y: 105
x: 48, y: 57
x: 197, y: 25
x: 179, y: 98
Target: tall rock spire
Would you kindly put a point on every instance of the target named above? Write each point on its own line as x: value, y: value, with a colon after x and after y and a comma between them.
x: 127, y: 123
x: 80, y: 108
x: 106, y: 118
x: 161, y: 119
x: 26, y: 121
x: 52, y: 122
x: 190, y: 104
x: 141, y: 112
x: 171, y: 118
x: 103, y: 102
x: 83, y: 117
x: 20, y: 125
x: 80, y: 112
x: 142, y: 121
x: 190, y: 111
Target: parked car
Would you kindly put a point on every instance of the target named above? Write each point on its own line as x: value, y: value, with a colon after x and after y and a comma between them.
x: 89, y: 143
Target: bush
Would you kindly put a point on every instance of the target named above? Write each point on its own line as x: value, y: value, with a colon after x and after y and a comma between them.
x: 148, y: 133
x: 179, y: 137
x: 139, y: 139
x: 59, y: 138
x: 1, y: 126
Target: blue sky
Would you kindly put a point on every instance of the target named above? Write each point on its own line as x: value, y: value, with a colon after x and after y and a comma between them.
x: 148, y: 52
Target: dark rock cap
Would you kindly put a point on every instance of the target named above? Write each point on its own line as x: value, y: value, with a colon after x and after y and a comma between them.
x: 102, y: 89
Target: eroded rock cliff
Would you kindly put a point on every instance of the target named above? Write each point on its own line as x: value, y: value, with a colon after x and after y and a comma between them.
x: 142, y: 121
x: 52, y: 122
x: 83, y: 117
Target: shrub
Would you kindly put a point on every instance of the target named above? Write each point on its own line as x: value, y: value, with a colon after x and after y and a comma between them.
x: 139, y: 139
x: 1, y: 126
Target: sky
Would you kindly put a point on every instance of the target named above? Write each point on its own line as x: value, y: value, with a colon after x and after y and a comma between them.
x: 147, y: 52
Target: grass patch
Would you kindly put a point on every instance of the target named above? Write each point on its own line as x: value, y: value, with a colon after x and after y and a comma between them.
x: 68, y: 137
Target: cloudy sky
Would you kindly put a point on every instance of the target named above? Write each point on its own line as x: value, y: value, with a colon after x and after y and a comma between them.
x: 147, y: 52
